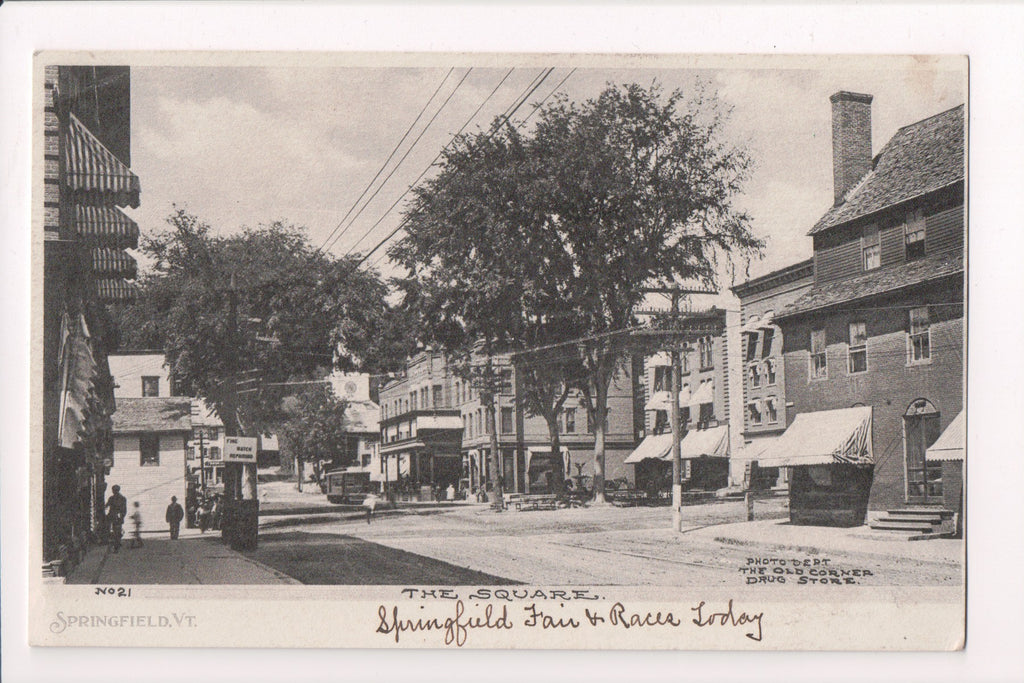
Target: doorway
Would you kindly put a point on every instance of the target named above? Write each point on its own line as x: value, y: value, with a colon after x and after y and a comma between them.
x: 920, y: 430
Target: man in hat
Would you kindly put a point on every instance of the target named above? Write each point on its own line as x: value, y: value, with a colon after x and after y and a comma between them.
x: 117, y: 510
x: 174, y: 515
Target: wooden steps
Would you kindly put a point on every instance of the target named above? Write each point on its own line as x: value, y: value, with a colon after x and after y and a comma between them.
x: 917, y: 520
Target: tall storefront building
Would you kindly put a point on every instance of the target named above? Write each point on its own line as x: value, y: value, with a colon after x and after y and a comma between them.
x: 86, y: 181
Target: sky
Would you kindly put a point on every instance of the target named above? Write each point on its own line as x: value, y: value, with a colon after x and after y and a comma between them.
x: 244, y: 146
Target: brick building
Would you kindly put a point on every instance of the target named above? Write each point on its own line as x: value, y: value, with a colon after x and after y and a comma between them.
x: 882, y: 327
x: 86, y: 179
x: 765, y: 414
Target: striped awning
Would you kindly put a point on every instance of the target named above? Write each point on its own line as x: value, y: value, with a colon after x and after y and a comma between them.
x: 111, y: 290
x: 108, y: 262
x: 951, y: 445
x: 823, y: 438
x: 105, y: 226
x: 93, y: 170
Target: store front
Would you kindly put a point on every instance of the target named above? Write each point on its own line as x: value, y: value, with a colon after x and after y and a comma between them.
x: 831, y: 466
x: 704, y: 461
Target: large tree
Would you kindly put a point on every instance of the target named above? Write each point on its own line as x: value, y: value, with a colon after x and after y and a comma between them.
x: 638, y: 186
x: 551, y: 238
x: 255, y: 307
x: 314, y: 429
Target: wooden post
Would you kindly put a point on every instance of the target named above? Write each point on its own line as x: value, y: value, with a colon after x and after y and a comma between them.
x: 674, y: 419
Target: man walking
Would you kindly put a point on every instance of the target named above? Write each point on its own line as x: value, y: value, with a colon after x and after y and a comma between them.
x: 117, y: 509
x: 174, y: 516
x: 370, y: 503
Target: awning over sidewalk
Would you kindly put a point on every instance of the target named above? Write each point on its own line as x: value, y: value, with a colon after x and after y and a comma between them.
x: 823, y: 438
x: 655, y: 446
x: 951, y: 444
x: 700, y: 443
x: 755, y: 449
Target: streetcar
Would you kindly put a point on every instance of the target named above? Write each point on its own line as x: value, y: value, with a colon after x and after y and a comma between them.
x: 347, y: 487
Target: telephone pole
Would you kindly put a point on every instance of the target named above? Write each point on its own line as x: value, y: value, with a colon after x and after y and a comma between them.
x: 677, y: 436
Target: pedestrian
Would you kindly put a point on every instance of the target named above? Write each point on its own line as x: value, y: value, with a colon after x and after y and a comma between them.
x: 370, y: 503
x: 117, y: 509
x: 174, y: 516
x: 450, y: 493
x: 137, y: 524
x: 205, y: 514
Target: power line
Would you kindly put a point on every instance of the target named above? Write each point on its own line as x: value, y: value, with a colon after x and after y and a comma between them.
x: 388, y: 160
x: 489, y: 136
x: 406, y: 155
x: 494, y: 128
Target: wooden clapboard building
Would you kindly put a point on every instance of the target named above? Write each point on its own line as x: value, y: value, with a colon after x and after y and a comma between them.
x: 874, y: 349
x: 86, y: 181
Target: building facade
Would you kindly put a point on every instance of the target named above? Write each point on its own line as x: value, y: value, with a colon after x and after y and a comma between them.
x: 86, y: 180
x: 882, y: 326
x: 765, y: 414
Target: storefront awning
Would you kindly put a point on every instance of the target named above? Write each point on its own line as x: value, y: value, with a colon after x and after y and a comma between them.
x: 105, y: 226
x: 655, y: 447
x: 755, y: 449
x: 701, y: 443
x: 951, y: 444
x: 95, y: 171
x: 113, y: 262
x: 438, y: 422
x: 110, y: 290
x: 823, y: 438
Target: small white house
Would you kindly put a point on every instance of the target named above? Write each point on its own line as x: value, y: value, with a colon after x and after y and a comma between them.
x: 150, y: 447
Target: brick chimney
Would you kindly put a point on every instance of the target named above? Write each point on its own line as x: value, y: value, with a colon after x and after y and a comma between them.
x: 851, y: 140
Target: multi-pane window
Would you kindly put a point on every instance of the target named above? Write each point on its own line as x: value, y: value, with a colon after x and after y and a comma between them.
x: 754, y: 413
x: 858, y: 354
x: 661, y: 424
x: 913, y: 235
x: 661, y: 377
x: 149, y: 449
x: 919, y: 340
x: 570, y: 420
x: 819, y: 361
x: 871, y: 247
x: 755, y: 375
x: 767, y: 338
x: 707, y: 414
x: 704, y: 347
x: 769, y: 372
x: 771, y: 410
x: 507, y: 420
x: 438, y: 396
x: 751, y: 346
x: 150, y: 386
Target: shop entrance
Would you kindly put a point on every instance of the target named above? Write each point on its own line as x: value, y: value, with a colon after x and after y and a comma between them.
x: 920, y: 430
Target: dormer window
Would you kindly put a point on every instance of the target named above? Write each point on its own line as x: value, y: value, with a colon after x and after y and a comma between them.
x: 871, y: 248
x: 913, y: 231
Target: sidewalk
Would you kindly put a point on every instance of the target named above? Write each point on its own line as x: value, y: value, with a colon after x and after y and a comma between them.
x: 780, y: 535
x: 193, y: 559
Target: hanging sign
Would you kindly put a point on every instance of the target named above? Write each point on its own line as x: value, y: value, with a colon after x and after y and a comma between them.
x: 240, y: 448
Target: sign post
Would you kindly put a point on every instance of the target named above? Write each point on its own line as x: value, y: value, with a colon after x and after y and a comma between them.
x: 241, y: 510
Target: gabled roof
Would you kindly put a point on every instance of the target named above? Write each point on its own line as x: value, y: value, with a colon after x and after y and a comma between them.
x: 155, y: 414
x: 362, y: 416
x: 920, y: 158
x: 875, y: 282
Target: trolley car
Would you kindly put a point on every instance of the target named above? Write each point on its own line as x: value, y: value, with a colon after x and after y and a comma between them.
x: 348, y: 487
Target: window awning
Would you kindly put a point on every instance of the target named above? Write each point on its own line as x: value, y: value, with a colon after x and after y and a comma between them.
x: 705, y: 394
x: 951, y: 444
x: 107, y: 261
x: 105, y: 226
x: 438, y: 422
x: 111, y: 290
x: 93, y: 170
x: 700, y: 443
x: 754, y: 449
x: 662, y: 400
x: 823, y: 438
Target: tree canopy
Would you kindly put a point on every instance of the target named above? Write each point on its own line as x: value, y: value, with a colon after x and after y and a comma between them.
x: 532, y: 239
x: 255, y: 307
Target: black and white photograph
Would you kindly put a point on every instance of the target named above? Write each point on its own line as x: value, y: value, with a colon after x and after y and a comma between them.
x: 489, y: 340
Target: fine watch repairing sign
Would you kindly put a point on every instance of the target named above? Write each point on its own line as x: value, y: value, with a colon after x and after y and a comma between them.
x: 239, y: 449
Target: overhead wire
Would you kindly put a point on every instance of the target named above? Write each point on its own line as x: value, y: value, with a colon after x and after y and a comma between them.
x: 405, y: 156
x: 388, y: 160
x: 489, y: 136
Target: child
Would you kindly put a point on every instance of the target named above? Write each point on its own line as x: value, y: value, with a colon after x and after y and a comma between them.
x: 137, y: 523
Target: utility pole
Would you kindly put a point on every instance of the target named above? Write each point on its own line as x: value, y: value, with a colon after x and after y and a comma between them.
x: 202, y: 460
x: 676, y: 383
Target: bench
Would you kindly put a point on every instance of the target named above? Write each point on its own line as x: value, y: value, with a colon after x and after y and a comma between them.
x: 535, y: 502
